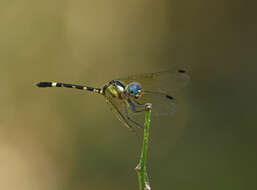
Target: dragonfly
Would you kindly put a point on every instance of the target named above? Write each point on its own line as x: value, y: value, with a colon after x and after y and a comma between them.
x: 128, y: 96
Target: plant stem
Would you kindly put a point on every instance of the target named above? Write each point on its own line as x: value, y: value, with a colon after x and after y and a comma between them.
x: 141, y: 167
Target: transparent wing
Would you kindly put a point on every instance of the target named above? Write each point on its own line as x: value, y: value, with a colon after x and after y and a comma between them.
x: 132, y: 112
x: 122, y: 111
x: 162, y: 103
x: 158, y: 88
x: 166, y: 81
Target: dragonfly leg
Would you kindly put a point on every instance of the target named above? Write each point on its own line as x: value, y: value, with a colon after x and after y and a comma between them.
x: 119, y: 115
x: 136, y: 123
x: 138, y: 103
x: 133, y: 107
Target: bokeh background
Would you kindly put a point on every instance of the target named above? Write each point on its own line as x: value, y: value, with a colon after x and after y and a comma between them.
x: 62, y: 139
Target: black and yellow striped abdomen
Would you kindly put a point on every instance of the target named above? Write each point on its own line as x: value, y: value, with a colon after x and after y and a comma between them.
x: 59, y: 84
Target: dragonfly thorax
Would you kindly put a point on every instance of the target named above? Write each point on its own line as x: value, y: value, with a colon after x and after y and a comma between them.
x: 114, y: 89
x: 133, y: 89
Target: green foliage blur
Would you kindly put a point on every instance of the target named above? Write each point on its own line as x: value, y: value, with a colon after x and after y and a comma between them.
x: 62, y: 139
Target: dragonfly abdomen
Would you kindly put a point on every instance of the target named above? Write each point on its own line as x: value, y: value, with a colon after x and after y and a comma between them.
x: 59, y: 84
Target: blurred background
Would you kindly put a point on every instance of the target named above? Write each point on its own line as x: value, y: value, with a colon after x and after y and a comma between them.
x: 62, y: 139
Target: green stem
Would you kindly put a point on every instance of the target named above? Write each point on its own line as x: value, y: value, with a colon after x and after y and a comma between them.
x: 141, y: 167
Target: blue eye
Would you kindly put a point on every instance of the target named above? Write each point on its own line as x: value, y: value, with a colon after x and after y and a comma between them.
x: 134, y: 89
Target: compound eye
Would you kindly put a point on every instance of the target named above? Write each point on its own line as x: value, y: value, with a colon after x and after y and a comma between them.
x: 133, y: 89
x: 134, y: 93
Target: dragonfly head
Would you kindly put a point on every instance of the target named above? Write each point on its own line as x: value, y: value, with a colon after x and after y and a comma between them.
x: 134, y: 89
